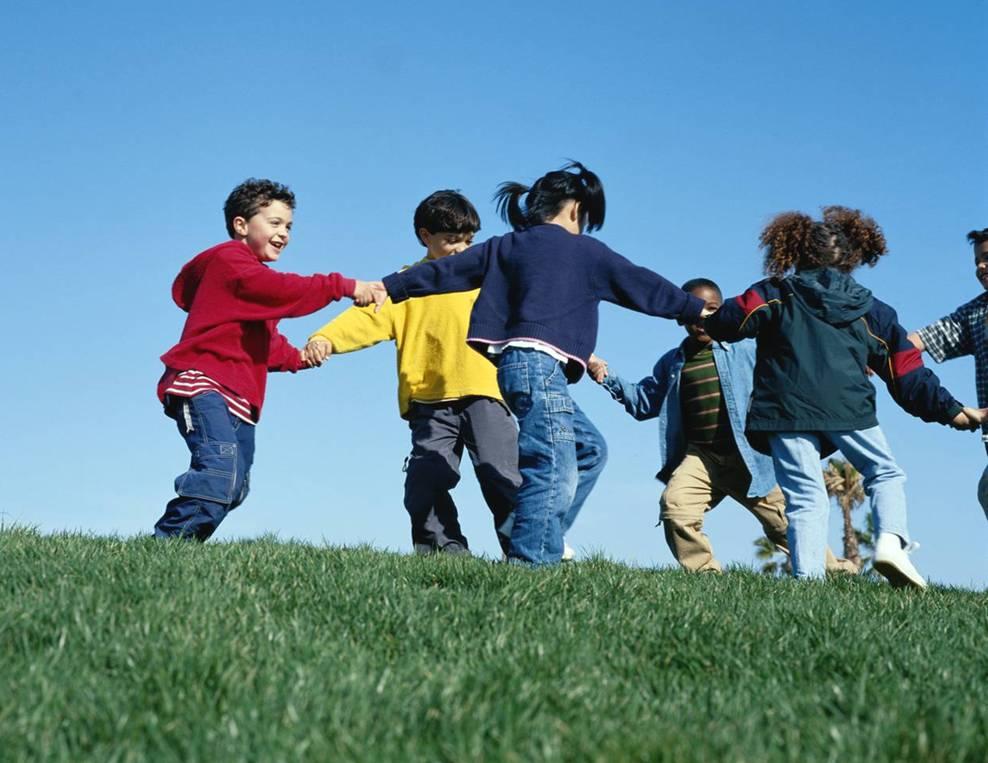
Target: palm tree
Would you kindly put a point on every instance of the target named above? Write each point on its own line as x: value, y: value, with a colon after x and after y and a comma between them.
x: 843, y: 484
x: 774, y: 561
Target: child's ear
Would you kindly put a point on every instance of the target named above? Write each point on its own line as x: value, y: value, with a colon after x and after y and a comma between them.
x: 574, y: 212
x: 239, y: 226
x: 424, y: 236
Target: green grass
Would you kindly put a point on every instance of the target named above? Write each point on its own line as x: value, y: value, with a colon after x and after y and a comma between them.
x: 133, y: 650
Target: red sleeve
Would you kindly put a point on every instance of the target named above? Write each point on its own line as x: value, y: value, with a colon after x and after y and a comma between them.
x: 282, y: 355
x: 265, y: 294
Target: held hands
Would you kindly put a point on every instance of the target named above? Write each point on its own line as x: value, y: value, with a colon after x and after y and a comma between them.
x: 316, y: 351
x: 597, y: 368
x: 370, y: 293
x: 969, y: 419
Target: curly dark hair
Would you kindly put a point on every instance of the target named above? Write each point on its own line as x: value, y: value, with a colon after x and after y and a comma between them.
x: 252, y: 195
x: 978, y: 236
x: 844, y: 239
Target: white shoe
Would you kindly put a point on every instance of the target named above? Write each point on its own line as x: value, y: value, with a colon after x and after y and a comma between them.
x: 568, y: 553
x: 892, y: 562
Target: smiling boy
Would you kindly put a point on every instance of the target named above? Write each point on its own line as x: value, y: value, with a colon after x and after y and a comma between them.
x: 965, y: 332
x: 214, y: 380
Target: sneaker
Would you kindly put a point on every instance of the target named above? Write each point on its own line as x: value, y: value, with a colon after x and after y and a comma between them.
x: 568, y: 553
x: 892, y: 562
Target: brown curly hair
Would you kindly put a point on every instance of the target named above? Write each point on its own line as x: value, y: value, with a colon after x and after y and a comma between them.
x: 844, y: 239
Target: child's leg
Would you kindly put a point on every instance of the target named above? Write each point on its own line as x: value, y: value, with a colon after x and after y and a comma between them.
x: 534, y: 387
x: 882, y: 479
x: 689, y: 494
x: 983, y: 491
x: 591, y: 458
x: 222, y: 449
x: 796, y: 457
x: 491, y: 438
x: 432, y: 470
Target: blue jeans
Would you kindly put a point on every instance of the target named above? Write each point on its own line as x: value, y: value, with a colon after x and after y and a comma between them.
x: 218, y: 479
x: 796, y: 456
x: 560, y: 454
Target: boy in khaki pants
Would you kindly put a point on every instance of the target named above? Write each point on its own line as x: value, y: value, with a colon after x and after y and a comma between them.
x: 699, y: 391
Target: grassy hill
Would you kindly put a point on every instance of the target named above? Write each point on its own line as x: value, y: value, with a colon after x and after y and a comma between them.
x: 133, y: 650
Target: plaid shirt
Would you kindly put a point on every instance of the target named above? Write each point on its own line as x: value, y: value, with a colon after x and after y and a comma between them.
x: 963, y: 332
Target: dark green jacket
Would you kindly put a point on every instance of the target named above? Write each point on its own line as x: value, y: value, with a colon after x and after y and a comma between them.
x: 818, y: 332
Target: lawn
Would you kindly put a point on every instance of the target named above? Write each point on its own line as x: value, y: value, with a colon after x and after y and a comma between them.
x: 134, y: 650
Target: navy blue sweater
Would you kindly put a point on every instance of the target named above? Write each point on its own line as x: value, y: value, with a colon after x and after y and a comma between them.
x: 544, y: 283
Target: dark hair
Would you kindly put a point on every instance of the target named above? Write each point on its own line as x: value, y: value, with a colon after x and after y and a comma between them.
x: 978, y: 236
x: 548, y: 194
x: 251, y: 196
x: 446, y: 212
x: 844, y: 239
x: 701, y: 283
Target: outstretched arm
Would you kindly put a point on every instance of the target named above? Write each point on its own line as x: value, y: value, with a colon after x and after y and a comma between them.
x: 643, y: 399
x: 913, y: 386
x: 745, y: 315
x: 460, y: 272
x: 621, y: 282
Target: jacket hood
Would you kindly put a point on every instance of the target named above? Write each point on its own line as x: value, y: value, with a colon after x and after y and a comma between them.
x: 830, y: 295
x: 190, y: 276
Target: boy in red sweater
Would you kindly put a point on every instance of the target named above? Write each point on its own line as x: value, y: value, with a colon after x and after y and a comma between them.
x: 214, y: 380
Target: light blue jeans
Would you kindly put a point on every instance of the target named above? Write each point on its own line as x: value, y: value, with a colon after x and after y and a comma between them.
x: 560, y: 454
x: 796, y: 456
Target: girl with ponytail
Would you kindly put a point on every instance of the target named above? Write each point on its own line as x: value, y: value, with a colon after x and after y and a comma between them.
x: 536, y: 319
x: 819, y: 332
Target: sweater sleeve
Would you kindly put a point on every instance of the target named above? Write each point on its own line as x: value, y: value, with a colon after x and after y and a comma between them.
x: 459, y: 272
x: 282, y: 355
x: 266, y: 294
x: 644, y: 399
x: 743, y: 316
x: 359, y: 327
x: 621, y: 282
x: 913, y: 386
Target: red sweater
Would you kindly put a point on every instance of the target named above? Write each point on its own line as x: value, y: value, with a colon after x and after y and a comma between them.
x: 234, y: 304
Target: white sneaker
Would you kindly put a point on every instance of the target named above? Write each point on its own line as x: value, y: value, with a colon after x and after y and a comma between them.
x: 892, y: 562
x: 568, y: 553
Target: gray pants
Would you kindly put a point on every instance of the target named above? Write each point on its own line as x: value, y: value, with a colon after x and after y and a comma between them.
x: 439, y: 433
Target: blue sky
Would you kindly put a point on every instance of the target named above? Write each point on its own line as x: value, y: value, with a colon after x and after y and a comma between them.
x: 125, y: 127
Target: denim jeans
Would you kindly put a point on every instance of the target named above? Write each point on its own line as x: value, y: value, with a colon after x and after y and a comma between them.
x: 796, y: 456
x: 560, y: 454
x: 218, y: 479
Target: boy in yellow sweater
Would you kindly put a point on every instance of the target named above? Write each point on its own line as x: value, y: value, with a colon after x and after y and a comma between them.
x: 447, y: 391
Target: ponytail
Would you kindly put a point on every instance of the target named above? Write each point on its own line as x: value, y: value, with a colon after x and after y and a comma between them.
x: 549, y: 193
x: 508, y: 198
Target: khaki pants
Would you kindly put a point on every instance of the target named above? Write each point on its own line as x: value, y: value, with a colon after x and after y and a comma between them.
x: 700, y: 482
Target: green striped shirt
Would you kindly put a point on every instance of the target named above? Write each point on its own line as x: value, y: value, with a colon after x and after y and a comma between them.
x: 702, y: 401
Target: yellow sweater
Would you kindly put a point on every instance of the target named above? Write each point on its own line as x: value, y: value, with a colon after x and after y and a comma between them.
x: 430, y: 333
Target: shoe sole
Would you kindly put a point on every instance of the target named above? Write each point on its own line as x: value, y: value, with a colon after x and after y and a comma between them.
x: 896, y: 577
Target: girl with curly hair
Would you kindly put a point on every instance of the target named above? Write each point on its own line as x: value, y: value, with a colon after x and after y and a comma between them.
x: 818, y: 333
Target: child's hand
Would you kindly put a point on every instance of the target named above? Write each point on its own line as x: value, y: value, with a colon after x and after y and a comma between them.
x: 975, y: 416
x: 597, y: 367
x: 370, y: 292
x: 316, y: 351
x: 968, y: 419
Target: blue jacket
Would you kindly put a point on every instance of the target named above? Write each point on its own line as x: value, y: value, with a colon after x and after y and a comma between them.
x: 544, y: 283
x: 658, y: 395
